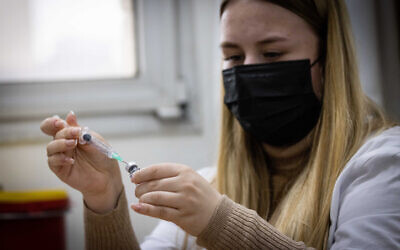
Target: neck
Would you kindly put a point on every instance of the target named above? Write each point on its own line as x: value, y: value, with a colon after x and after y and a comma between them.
x: 289, y: 159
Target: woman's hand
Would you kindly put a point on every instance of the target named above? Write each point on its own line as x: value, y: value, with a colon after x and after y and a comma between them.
x: 82, y: 167
x: 175, y: 193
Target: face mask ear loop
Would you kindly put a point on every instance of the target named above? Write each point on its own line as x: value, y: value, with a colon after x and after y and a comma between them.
x: 323, y: 79
x: 315, y: 62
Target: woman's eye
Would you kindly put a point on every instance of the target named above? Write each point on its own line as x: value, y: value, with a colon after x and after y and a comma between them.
x: 272, y: 54
x: 234, y: 58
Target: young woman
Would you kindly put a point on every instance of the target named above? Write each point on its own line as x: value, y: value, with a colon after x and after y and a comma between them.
x: 306, y: 160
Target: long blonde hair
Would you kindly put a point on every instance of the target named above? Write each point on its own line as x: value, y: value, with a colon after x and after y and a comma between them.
x: 347, y: 118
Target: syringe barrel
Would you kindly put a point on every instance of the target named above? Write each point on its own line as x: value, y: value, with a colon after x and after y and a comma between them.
x: 102, y: 147
x: 86, y: 138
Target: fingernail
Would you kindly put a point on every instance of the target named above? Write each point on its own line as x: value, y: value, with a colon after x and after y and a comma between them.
x: 69, y: 160
x: 70, y: 142
x: 75, y: 131
x: 56, y: 116
x: 72, y: 112
x: 58, y: 123
x: 137, y: 206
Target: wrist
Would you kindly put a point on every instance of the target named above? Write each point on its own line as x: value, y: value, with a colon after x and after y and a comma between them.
x: 103, y: 202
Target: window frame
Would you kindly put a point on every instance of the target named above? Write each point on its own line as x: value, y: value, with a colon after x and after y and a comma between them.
x: 153, y: 101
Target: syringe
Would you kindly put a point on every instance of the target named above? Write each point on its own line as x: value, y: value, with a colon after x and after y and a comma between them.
x: 86, y: 138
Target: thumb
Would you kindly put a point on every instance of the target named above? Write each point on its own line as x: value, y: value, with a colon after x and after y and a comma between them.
x: 71, y: 119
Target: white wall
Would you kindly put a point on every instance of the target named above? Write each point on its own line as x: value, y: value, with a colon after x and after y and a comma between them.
x: 24, y: 166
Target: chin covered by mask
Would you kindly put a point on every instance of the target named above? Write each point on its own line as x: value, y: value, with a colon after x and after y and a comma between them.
x: 274, y: 102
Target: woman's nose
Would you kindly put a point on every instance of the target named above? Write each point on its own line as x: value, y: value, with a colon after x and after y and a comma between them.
x: 254, y: 59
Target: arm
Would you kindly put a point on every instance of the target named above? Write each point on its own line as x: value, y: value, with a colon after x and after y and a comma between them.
x: 112, y: 230
x: 233, y: 226
x: 96, y: 176
x: 368, y: 216
x: 176, y: 193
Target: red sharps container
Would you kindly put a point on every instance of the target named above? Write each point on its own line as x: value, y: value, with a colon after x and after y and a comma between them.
x: 33, y: 219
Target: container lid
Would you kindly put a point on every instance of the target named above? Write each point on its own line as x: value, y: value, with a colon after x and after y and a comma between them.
x: 32, y: 196
x: 33, y: 201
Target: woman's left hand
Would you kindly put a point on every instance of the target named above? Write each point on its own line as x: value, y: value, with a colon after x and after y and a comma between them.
x: 175, y: 193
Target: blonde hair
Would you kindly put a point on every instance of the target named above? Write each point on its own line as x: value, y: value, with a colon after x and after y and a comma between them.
x: 347, y: 118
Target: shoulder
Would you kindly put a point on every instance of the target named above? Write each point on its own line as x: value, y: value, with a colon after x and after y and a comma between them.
x: 365, y: 200
x: 380, y: 154
x: 387, y: 142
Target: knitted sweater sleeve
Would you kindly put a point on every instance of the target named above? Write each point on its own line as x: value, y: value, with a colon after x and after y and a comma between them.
x: 233, y: 226
x: 112, y: 230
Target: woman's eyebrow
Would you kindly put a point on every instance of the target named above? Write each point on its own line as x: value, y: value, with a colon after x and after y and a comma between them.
x: 272, y: 39
x: 228, y: 45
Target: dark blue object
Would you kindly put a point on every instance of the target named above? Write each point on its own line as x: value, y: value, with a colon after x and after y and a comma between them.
x: 87, y: 137
x: 132, y: 168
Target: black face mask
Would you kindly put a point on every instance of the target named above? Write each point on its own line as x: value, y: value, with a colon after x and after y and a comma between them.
x: 274, y: 102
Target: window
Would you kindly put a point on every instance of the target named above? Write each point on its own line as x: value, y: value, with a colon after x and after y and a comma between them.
x: 66, y: 40
x: 109, y: 60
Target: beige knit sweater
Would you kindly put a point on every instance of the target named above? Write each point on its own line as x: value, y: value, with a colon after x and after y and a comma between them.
x: 232, y: 226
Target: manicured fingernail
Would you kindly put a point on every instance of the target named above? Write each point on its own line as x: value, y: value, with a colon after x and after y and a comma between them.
x: 75, y: 131
x: 70, y: 142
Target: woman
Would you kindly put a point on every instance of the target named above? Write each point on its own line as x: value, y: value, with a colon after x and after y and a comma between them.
x: 306, y: 160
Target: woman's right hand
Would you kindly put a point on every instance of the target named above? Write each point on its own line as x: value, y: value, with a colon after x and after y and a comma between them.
x: 82, y: 167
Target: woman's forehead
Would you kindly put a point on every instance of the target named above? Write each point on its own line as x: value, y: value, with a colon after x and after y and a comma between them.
x: 249, y: 21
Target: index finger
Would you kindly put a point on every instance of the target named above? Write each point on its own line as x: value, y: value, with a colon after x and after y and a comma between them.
x: 50, y: 126
x: 155, y: 172
x: 68, y: 133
